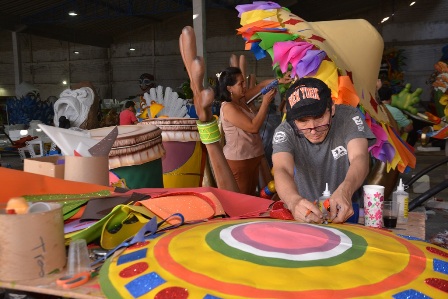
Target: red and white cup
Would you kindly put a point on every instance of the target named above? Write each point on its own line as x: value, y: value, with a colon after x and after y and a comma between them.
x: 373, y: 205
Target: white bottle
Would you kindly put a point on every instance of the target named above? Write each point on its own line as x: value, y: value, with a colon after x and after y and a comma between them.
x: 402, y: 197
x: 325, y: 195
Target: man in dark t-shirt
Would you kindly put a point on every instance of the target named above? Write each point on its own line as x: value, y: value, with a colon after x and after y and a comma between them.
x: 319, y: 143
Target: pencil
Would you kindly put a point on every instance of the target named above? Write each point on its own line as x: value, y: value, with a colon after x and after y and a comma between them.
x: 309, y: 211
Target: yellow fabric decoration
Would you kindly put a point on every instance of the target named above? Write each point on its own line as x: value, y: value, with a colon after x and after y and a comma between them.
x: 328, y: 73
x: 256, y: 15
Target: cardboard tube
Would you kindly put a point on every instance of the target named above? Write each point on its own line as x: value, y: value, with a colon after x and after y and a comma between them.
x: 94, y: 170
x: 32, y: 244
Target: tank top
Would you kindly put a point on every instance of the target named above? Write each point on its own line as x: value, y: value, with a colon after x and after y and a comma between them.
x: 240, y: 145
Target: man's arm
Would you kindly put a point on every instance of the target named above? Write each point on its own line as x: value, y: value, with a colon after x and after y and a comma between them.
x: 404, y: 122
x: 134, y: 119
x: 408, y: 128
x: 341, y: 200
x: 237, y: 118
x: 283, y: 165
x: 257, y: 88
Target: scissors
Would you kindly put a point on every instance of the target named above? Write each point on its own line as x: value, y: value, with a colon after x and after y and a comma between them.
x: 73, y: 280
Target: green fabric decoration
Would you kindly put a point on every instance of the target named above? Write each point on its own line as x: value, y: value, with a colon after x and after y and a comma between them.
x: 71, y: 203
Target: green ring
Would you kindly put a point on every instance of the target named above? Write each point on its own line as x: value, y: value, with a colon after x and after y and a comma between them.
x: 209, y: 131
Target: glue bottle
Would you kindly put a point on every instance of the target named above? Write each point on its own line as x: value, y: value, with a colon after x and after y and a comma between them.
x: 322, y: 205
x: 402, y: 197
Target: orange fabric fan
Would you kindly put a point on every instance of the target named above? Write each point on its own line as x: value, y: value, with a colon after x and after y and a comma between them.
x: 346, y: 92
x: 407, y: 158
x: 192, y: 205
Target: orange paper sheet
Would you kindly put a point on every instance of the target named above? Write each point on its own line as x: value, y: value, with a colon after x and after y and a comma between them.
x: 19, y: 183
x: 347, y: 93
x: 260, y: 24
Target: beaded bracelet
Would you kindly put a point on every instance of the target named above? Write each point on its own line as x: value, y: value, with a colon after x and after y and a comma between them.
x: 209, y: 131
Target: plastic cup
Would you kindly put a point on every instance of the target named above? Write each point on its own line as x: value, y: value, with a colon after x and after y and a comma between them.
x: 390, y: 214
x: 373, y: 205
x: 39, y: 207
x: 78, y: 257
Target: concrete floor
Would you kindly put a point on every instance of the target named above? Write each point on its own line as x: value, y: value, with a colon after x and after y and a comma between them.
x: 436, y: 207
x: 437, y: 217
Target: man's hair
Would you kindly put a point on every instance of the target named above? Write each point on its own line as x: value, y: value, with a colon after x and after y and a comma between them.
x: 385, y: 93
x: 129, y: 104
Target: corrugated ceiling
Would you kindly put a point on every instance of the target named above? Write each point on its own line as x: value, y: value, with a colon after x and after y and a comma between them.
x: 98, y: 21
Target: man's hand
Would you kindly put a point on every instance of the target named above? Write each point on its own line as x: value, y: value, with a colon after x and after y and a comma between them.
x: 340, y: 206
x: 304, y: 210
x: 286, y: 78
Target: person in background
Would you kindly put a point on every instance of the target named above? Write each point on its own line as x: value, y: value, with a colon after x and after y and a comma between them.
x: 241, y: 125
x: 111, y: 119
x: 127, y: 116
x: 385, y: 96
x: 319, y: 143
x: 146, y: 82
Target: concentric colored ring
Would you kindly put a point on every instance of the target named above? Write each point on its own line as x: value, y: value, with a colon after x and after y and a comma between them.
x: 285, y: 244
x: 168, y: 251
x: 217, y: 260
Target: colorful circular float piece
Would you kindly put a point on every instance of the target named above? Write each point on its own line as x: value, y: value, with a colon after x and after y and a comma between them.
x: 277, y: 259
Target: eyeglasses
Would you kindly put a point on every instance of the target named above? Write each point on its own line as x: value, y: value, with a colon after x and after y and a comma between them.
x: 318, y: 129
x: 145, y: 81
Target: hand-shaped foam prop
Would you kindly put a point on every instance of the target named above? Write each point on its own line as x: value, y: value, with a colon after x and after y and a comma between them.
x: 203, y: 98
x: 172, y: 105
x: 405, y: 99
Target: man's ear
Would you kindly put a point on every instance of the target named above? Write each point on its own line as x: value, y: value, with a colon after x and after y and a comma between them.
x: 333, y: 109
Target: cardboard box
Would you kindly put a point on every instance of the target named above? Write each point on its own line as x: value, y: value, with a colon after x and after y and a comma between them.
x: 48, y: 166
x: 93, y: 170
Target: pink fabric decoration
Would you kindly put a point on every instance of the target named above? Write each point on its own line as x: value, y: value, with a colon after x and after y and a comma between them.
x: 382, y: 149
x: 257, y: 5
x: 290, y: 52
